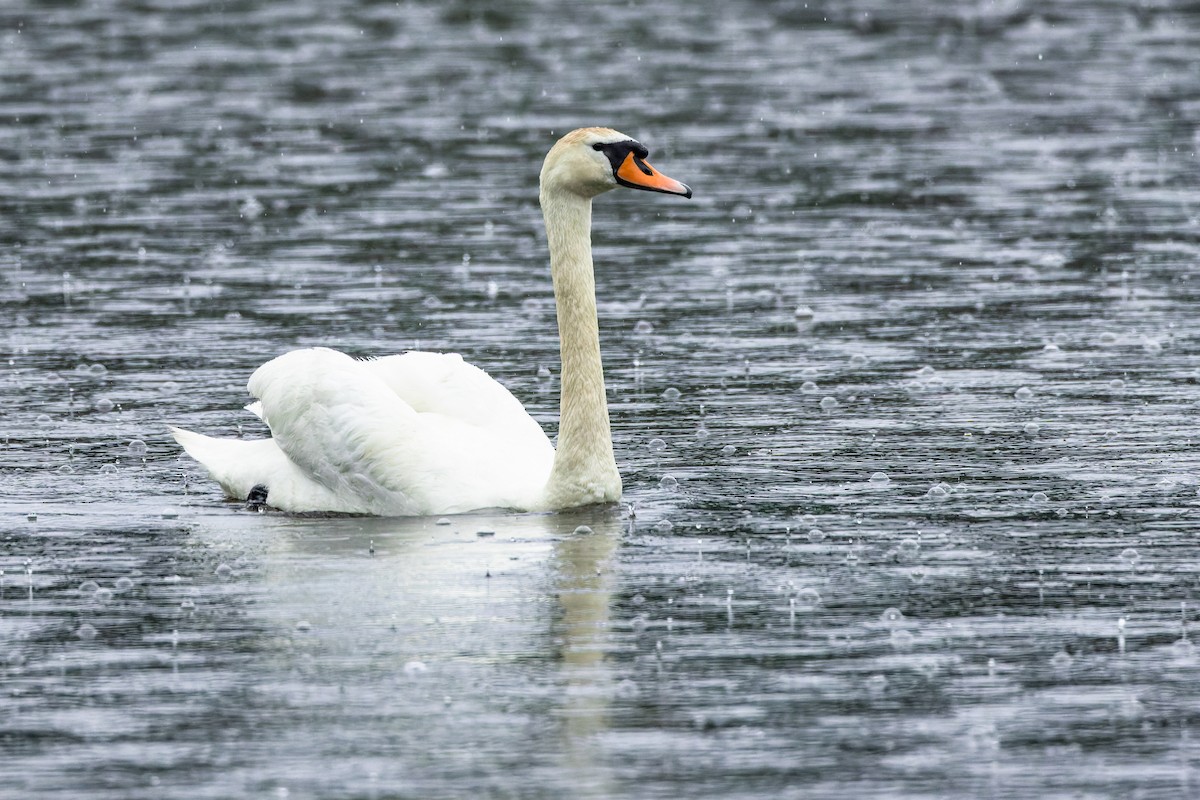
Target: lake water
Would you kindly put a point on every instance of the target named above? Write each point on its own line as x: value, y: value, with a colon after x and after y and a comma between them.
x: 904, y: 400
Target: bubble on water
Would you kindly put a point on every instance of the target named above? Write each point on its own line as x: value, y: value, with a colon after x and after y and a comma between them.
x: 582, y: 530
x: 803, y: 312
x: 1130, y: 556
x: 1032, y: 428
x: 1184, y: 651
x: 86, y: 632
x: 137, y: 448
x: 108, y: 469
x: 304, y: 626
x: 664, y: 526
x: 902, y: 640
x: 66, y: 469
x: 638, y: 624
x: 728, y: 449
x: 643, y: 327
x: 1052, y: 349
x: 880, y: 479
x: 917, y: 575
x: 909, y: 548
x: 829, y: 403
x: 808, y: 598
x: 816, y: 535
x: 88, y: 587
x: 250, y: 208
x: 627, y: 689
x: 939, y: 491
x: 442, y: 521
x: 41, y: 420
x: 876, y: 685
x: 187, y: 605
x: 169, y: 387
x: 1152, y: 346
x: 97, y: 370
x: 1117, y: 385
x: 808, y: 387
x: 224, y: 572
x: 671, y: 394
x: 1061, y: 661
x: 104, y: 595
x: 169, y: 512
x: 103, y: 405
x: 669, y: 483
x: 657, y: 445
x: 701, y: 431
x: 1038, y: 497
x: 858, y: 360
x: 892, y: 617
x: 1106, y: 339
x: 415, y: 668
x: 123, y: 584
x: 925, y: 373
x: 1024, y: 394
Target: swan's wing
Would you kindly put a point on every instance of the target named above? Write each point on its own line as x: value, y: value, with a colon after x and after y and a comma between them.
x: 341, y: 422
x: 443, y: 383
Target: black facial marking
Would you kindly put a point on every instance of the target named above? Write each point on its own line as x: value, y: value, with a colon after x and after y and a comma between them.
x: 617, y: 151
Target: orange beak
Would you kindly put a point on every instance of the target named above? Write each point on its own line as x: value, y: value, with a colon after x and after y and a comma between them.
x: 637, y: 174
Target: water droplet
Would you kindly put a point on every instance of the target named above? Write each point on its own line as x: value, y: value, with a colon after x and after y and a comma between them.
x: 97, y: 370
x: 1107, y: 339
x: 187, y: 605
x: 582, y: 530
x: 66, y: 469
x: 809, y: 387
x: 808, y: 598
x: 902, y: 640
x: 103, y: 595
x: 939, y: 491
x: 892, y: 617
x: 876, y: 684
x: 1032, y: 428
x: 804, y: 312
x: 169, y: 512
x: 858, y: 360
x: 643, y: 327
x: 669, y: 483
x: 137, y: 448
x: 1061, y: 661
x: 86, y: 632
x: 1024, y: 394
x: 103, y: 405
x: 123, y: 584
x: 42, y: 420
x: 1152, y: 346
x: 442, y: 521
x: 880, y: 479
x: 1116, y: 384
x: 1130, y: 556
x: 1038, y: 497
x: 627, y: 689
x: 671, y: 394
x: 664, y: 526
x: 88, y: 587
x: 925, y: 373
x: 829, y: 403
x: 224, y: 572
x: 728, y: 449
x: 108, y: 469
x: 816, y: 535
x: 657, y: 445
x: 304, y: 626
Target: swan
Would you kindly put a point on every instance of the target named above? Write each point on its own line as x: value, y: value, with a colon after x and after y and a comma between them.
x: 427, y: 433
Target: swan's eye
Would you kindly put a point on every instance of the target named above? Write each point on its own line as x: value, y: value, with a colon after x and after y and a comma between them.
x: 598, y: 146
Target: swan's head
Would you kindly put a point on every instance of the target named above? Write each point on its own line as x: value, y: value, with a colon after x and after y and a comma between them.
x: 590, y: 161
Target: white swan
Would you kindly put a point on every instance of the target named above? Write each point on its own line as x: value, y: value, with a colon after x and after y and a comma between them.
x: 427, y: 433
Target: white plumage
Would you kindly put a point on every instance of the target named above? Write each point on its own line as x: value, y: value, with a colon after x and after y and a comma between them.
x: 427, y: 433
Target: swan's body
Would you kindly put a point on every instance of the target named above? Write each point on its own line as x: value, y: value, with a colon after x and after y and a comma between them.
x: 427, y: 433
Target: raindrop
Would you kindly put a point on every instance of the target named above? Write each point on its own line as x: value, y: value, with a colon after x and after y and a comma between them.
x: 809, y: 387
x: 939, y: 491
x: 669, y: 483
x: 657, y: 445
x: 187, y: 605
x: 104, y: 595
x: 1024, y: 394
x: 925, y: 373
x: 42, y: 420
x: 1152, y: 346
x: 627, y: 689
x: 804, y: 312
x: 1038, y: 497
x: 108, y: 469
x: 1130, y: 556
x: 728, y: 449
x: 169, y: 512
x: 1107, y: 339
x: 97, y: 370
x: 880, y: 479
x: 88, y: 587
x: 671, y: 394
x: 828, y: 403
x: 66, y: 469
x: 582, y: 530
x: 137, y: 448
x: 909, y: 548
x: 808, y: 598
x: 1061, y: 661
x: 917, y: 575
x: 123, y: 584
x: 892, y: 617
x: 224, y: 572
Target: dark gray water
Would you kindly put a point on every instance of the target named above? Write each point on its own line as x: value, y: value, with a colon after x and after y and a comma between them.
x: 917, y: 521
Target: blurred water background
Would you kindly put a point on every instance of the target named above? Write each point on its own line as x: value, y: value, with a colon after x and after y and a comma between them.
x: 904, y: 400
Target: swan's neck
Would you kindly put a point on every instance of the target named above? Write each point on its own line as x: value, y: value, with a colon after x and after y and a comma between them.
x: 584, y: 468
